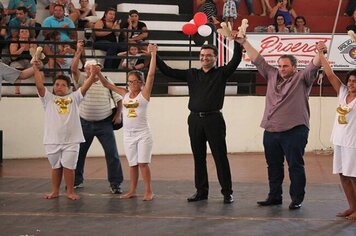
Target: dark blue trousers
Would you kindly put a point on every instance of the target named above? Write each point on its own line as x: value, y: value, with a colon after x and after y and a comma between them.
x: 290, y: 145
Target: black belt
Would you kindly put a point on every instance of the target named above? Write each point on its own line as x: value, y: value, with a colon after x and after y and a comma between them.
x: 204, y: 113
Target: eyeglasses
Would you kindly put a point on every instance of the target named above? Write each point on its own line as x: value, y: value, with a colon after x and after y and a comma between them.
x: 136, y: 81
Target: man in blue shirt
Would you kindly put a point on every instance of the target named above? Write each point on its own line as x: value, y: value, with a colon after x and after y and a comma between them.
x: 58, y: 20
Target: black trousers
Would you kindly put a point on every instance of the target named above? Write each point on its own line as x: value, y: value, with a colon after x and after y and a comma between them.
x: 212, y: 129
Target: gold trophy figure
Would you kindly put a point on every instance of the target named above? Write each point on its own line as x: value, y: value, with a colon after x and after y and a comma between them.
x: 131, y: 105
x: 63, y: 104
x: 342, y: 114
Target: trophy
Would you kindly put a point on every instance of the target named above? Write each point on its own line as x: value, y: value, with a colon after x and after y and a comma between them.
x: 242, y: 29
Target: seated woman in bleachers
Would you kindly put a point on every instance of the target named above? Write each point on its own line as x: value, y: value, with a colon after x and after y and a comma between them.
x: 107, y: 40
x: 20, y: 53
x: 134, y: 62
x: 69, y: 9
x: 284, y: 8
x: 300, y: 25
x: 85, y: 10
x: 279, y: 25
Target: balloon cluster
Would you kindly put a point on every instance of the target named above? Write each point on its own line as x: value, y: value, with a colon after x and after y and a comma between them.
x: 197, y: 24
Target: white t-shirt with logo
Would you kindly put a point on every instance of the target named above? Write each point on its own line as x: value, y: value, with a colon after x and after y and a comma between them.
x: 62, y: 122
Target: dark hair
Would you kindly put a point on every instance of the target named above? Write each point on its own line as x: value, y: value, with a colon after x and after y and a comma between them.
x: 298, y: 18
x: 133, y: 12
x: 139, y: 75
x: 275, y: 21
x: 58, y: 5
x: 210, y: 46
x: 106, y: 12
x: 24, y: 9
x: 348, y: 75
x: 292, y: 59
x: 62, y: 77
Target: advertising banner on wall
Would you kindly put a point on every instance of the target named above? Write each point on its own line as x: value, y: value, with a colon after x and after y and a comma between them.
x: 342, y: 54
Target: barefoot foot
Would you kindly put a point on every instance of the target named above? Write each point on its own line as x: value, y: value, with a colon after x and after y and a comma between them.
x: 51, y: 195
x: 73, y: 196
x: 345, y: 213
x: 148, y: 197
x: 128, y: 195
x: 351, y: 217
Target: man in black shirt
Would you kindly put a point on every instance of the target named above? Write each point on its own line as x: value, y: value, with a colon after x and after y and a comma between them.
x: 206, y: 122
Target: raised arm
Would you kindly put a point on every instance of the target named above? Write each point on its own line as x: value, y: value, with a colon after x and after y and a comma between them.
x: 75, y: 62
x: 334, y: 80
x: 94, y: 69
x: 146, y: 93
x: 250, y: 50
x: 39, y: 78
x: 112, y: 87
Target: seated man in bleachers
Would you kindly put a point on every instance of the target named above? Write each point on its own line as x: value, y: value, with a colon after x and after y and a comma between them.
x: 29, y: 4
x: 134, y: 24
x: 58, y: 20
x: 21, y: 19
x: 69, y: 9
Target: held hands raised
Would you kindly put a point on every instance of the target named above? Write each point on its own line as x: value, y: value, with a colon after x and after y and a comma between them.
x: 321, y: 47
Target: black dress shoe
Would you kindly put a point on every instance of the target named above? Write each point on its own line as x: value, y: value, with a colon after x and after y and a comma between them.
x: 197, y: 197
x: 270, y: 202
x: 295, y: 206
x: 228, y: 199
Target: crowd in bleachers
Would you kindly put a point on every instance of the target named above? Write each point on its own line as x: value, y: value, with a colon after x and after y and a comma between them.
x: 57, y: 33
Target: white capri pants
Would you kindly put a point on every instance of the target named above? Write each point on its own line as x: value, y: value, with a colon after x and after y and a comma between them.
x: 344, y: 161
x: 62, y: 155
x: 138, y: 146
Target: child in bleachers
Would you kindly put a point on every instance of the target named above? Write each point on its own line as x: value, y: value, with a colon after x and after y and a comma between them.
x: 134, y: 62
x: 229, y: 11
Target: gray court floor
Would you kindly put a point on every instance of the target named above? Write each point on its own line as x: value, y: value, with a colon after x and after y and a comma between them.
x: 23, y: 211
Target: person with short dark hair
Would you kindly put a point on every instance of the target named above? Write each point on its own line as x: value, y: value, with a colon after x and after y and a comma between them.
x: 286, y: 122
x: 21, y: 19
x: 206, y: 122
x: 62, y: 131
x: 138, y: 29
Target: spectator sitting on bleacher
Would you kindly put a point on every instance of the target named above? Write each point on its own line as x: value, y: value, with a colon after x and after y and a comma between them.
x: 279, y: 25
x: 353, y: 26
x: 58, y: 20
x: 134, y: 62
x: 210, y: 10
x: 300, y: 25
x: 86, y: 11
x: 21, y: 19
x: 283, y: 7
x: 134, y: 24
x: 20, y: 53
x: 69, y: 9
x: 106, y: 40
x: 29, y: 4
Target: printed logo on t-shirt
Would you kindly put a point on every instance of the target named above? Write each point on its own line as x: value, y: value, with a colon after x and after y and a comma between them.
x: 131, y: 105
x: 62, y: 104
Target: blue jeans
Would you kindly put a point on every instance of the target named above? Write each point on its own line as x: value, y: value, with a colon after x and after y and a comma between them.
x: 249, y: 5
x: 289, y: 144
x: 105, y: 134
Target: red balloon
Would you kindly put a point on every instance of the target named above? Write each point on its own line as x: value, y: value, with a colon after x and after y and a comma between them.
x: 189, y: 29
x: 200, y: 19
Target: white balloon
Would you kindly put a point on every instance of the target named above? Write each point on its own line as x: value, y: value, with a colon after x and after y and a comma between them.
x: 191, y: 21
x: 204, y: 30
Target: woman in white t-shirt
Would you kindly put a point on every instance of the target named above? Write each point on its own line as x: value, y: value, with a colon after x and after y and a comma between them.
x: 343, y: 135
x: 137, y: 134
x: 62, y: 130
